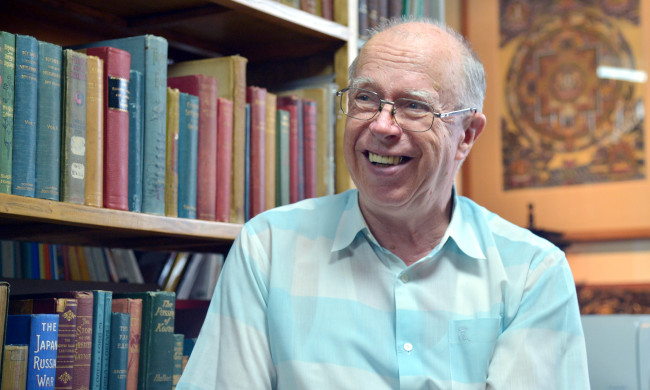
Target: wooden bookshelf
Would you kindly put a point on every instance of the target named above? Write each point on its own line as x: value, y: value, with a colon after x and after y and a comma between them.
x: 30, y: 219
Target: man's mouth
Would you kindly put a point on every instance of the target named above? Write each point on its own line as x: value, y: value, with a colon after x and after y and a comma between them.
x: 377, y: 159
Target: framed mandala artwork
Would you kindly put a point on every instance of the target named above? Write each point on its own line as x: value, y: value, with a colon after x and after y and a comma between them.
x: 566, y: 112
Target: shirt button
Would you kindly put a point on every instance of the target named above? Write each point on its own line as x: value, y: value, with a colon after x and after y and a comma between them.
x: 408, y: 347
x: 404, y: 278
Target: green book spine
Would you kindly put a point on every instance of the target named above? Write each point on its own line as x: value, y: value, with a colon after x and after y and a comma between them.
x: 157, y: 339
x: 119, y: 351
x: 73, y: 135
x: 282, y: 158
x: 188, y: 136
x: 179, y: 340
x: 7, y: 72
x: 48, y: 128
x: 23, y: 162
x: 108, y: 328
x: 102, y: 304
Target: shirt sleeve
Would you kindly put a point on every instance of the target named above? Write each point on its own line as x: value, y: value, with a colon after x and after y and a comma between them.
x: 542, y: 345
x: 232, y: 351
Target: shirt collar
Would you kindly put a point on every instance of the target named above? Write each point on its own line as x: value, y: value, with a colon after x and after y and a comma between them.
x: 460, y: 229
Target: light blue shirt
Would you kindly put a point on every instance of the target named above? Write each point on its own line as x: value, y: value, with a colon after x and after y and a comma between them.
x: 309, y: 300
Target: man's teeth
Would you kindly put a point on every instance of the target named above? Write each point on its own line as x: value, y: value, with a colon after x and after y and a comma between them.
x: 386, y: 160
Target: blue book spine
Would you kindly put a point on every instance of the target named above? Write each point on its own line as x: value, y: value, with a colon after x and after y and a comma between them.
x: 247, y: 164
x: 149, y: 56
x: 188, y: 141
x: 40, y: 332
x: 119, y: 351
x: 108, y: 304
x: 301, y: 151
x: 7, y: 73
x: 97, y: 354
x: 136, y: 134
x: 48, y: 129
x: 25, y: 116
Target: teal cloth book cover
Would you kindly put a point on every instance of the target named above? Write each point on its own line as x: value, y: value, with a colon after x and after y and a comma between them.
x: 48, y: 125
x: 73, y: 131
x: 136, y: 134
x: 23, y: 162
x: 149, y: 56
x: 40, y: 333
x: 188, y: 138
x: 119, y: 351
x: 7, y: 73
x: 157, y: 338
x: 282, y: 158
x: 178, y: 358
x: 102, y: 304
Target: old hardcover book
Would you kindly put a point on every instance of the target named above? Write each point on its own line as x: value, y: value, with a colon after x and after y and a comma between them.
x: 119, y: 351
x: 293, y: 104
x: 188, y: 138
x: 157, y: 341
x: 171, y: 160
x: 149, y: 56
x: 310, y: 120
x: 271, y: 113
x: 256, y: 98
x: 206, y: 88
x: 4, y: 300
x: 25, y: 116
x: 40, y: 333
x: 134, y: 308
x: 247, y: 165
x: 102, y: 304
x: 224, y: 159
x: 230, y: 73
x: 178, y: 358
x: 48, y: 124
x: 282, y: 158
x: 117, y: 67
x: 66, y: 309
x: 94, y: 191
x: 136, y: 139
x: 73, y: 134
x: 14, y: 368
x: 7, y: 73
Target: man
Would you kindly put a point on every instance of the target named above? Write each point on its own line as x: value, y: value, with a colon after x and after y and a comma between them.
x: 401, y: 284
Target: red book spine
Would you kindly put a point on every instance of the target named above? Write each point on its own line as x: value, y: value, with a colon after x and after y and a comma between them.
x: 310, y: 117
x: 290, y: 103
x: 224, y: 158
x: 117, y: 67
x: 205, y: 87
x: 256, y: 97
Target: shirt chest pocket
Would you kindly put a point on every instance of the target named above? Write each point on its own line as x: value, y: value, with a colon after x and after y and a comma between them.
x: 471, y: 344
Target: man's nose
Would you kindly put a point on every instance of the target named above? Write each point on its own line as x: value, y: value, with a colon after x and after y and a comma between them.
x: 384, y: 124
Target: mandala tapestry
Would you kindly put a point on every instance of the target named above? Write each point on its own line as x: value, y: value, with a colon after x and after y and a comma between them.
x: 562, y: 124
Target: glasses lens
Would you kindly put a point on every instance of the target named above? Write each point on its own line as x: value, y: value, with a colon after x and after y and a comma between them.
x: 359, y: 104
x: 413, y: 115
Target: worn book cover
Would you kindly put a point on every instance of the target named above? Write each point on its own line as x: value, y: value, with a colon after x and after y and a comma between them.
x: 119, y: 351
x: 224, y: 159
x: 94, y: 191
x: 171, y: 159
x: 7, y: 73
x: 73, y: 134
x: 188, y: 143
x: 282, y: 186
x: 14, y: 367
x: 48, y: 124
x: 256, y: 98
x: 134, y: 308
x: 206, y: 89
x: 230, y: 72
x: 25, y: 116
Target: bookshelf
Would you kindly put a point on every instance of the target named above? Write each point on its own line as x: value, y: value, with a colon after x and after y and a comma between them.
x: 271, y: 35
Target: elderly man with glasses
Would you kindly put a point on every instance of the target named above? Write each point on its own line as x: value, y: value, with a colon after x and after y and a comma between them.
x: 400, y: 283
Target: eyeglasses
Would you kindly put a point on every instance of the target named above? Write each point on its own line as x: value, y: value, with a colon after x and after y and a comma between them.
x: 410, y: 115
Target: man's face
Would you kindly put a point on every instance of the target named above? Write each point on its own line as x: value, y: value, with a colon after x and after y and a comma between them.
x: 417, y: 166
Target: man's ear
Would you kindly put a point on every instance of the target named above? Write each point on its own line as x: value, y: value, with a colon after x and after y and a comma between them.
x: 472, y: 131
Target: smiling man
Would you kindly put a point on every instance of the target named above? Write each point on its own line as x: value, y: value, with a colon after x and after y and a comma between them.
x: 400, y: 283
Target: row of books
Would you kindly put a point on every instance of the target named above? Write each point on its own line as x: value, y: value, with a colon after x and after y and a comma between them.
x: 322, y: 8
x: 191, y: 275
x: 36, y: 260
x: 109, y: 124
x: 90, y: 340
x: 373, y: 12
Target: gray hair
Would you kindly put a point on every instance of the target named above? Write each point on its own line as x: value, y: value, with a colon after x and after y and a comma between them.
x: 473, y: 84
